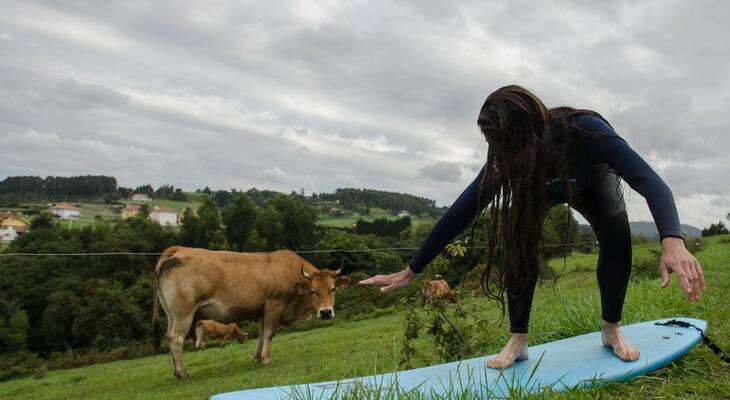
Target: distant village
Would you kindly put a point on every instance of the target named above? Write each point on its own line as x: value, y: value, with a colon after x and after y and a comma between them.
x: 13, y: 225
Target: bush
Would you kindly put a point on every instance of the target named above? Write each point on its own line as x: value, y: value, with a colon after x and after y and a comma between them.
x: 546, y: 272
x: 19, y: 365
x: 41, y: 372
x: 647, y: 268
x: 694, y: 245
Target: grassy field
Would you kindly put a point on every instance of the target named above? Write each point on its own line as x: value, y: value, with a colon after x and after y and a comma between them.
x: 347, y: 349
x: 350, y: 218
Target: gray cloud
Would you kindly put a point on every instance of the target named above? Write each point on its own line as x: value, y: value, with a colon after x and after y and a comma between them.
x: 69, y: 94
x: 441, y: 171
x: 380, y: 95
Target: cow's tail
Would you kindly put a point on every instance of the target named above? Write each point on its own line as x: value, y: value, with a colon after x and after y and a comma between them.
x: 156, y: 331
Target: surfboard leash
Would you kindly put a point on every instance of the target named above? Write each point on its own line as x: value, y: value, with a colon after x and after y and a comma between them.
x: 715, y: 348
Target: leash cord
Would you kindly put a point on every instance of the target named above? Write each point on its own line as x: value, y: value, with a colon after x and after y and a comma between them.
x: 714, y: 347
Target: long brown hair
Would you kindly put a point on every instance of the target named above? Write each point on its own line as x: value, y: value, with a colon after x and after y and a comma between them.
x: 529, y: 144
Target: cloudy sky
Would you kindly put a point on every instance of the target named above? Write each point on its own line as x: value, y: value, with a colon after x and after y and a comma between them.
x: 320, y: 95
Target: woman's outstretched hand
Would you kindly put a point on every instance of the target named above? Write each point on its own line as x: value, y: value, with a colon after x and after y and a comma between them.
x: 676, y: 258
x: 390, y: 282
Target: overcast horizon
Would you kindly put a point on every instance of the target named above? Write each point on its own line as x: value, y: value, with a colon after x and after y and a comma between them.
x: 378, y: 95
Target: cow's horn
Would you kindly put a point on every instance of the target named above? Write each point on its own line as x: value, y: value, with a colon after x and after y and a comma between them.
x: 339, y: 270
x: 304, y: 274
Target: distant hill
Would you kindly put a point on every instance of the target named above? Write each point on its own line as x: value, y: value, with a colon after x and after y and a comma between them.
x: 648, y: 229
x: 355, y: 199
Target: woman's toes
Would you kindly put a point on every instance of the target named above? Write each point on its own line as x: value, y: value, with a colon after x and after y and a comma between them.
x: 499, y: 363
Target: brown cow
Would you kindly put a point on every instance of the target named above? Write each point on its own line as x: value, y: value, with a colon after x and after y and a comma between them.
x: 279, y: 287
x: 437, y: 289
x: 207, y: 328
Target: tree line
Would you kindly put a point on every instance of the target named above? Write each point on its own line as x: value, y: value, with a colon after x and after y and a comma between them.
x: 56, y: 187
x: 84, y: 187
x: 354, y: 199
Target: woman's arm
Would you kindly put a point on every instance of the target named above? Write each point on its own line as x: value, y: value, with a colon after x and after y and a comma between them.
x: 455, y: 220
x: 610, y: 148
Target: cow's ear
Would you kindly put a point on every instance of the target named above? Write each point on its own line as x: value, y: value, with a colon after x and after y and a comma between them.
x: 302, y: 288
x: 342, y: 282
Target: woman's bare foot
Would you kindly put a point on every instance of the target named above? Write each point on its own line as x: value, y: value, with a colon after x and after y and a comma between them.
x: 612, y: 337
x: 514, y: 350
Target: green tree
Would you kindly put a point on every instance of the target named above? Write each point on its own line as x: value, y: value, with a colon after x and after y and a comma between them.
x: 178, y: 195
x: 145, y: 189
x: 44, y: 220
x: 109, y: 319
x: 13, y: 327
x: 560, y: 228
x: 270, y: 226
x: 298, y: 220
x: 239, y: 218
x: 204, y: 229
x: 715, y: 229
x: 222, y: 198
x: 190, y: 229
x: 164, y: 191
x: 58, y: 320
x: 210, y: 225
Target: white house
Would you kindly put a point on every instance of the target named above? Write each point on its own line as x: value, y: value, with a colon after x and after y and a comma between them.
x: 7, y: 234
x: 141, y: 197
x: 164, y: 216
x: 66, y: 211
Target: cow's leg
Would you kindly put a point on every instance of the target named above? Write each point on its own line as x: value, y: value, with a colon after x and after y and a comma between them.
x: 223, y: 341
x: 259, y: 344
x: 272, y: 315
x: 176, y: 335
x: 199, y: 337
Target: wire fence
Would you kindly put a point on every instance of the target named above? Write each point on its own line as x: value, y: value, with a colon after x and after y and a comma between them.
x: 130, y: 253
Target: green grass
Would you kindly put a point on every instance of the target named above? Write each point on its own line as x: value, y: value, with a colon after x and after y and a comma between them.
x: 177, y: 205
x: 349, y: 218
x: 347, y: 349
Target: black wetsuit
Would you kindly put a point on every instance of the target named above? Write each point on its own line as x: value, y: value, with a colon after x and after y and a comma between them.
x: 594, y: 176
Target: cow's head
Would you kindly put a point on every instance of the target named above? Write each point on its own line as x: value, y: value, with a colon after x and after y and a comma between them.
x: 238, y: 333
x: 320, y: 287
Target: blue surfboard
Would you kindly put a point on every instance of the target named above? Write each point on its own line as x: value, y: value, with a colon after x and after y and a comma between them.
x: 573, y: 362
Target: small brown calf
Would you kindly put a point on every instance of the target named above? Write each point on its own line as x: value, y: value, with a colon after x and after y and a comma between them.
x: 207, y: 328
x: 437, y: 289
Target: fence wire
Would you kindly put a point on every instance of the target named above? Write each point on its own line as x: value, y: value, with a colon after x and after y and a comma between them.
x: 130, y: 253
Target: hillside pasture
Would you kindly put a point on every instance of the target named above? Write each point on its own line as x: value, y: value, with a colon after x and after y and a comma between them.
x: 349, y: 218
x: 345, y: 349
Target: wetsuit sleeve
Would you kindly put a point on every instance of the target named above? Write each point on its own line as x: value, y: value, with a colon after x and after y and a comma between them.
x: 454, y: 221
x: 610, y: 148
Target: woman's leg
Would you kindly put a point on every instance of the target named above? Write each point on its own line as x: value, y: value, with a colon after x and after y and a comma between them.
x: 519, y: 303
x: 604, y: 208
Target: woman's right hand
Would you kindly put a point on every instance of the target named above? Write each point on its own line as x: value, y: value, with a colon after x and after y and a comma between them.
x: 390, y: 282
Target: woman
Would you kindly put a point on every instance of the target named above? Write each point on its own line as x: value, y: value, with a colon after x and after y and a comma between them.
x: 538, y: 158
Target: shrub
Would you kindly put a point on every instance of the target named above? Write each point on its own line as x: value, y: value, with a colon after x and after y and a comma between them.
x: 694, y: 245
x: 41, y: 372
x: 647, y: 268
